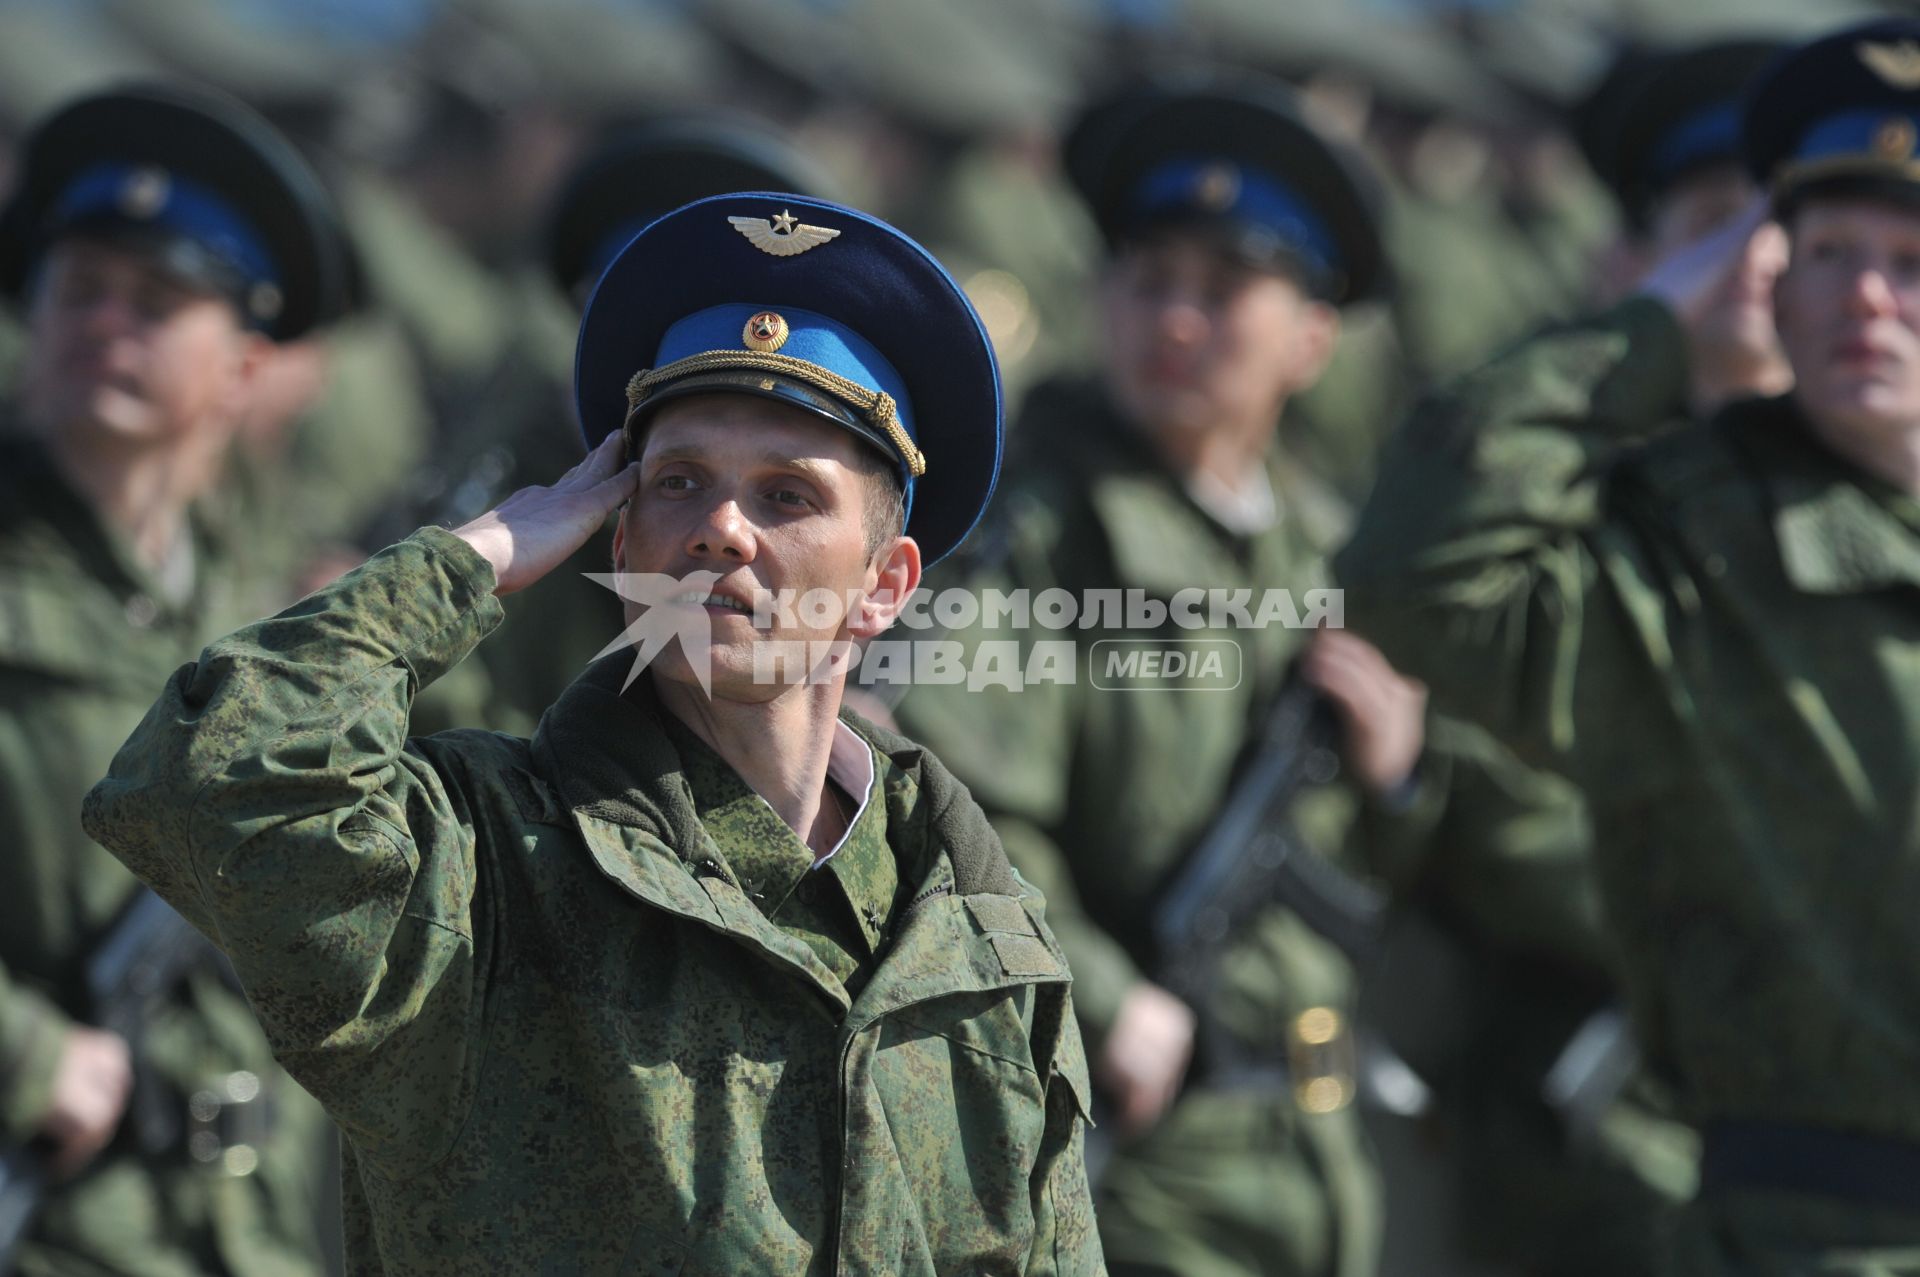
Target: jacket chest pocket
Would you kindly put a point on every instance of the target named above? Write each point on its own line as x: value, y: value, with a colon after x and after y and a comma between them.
x: 954, y: 1102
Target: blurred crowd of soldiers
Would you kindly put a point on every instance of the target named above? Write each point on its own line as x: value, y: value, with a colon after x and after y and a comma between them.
x: 484, y: 155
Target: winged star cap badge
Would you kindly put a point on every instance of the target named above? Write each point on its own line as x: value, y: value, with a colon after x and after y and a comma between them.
x: 784, y: 235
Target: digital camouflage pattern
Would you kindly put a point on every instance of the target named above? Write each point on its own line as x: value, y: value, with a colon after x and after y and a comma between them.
x: 842, y: 912
x: 526, y: 982
x: 1097, y: 796
x: 1715, y: 634
x: 85, y: 636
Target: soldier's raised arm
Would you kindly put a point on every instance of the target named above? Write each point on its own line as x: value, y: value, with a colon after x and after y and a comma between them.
x: 1501, y: 504
x: 272, y: 796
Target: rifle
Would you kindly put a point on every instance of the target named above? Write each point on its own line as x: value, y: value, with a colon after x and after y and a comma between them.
x: 1250, y: 858
x: 149, y: 949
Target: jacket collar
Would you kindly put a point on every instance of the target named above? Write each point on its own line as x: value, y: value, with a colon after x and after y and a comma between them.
x: 1160, y: 538
x: 619, y: 776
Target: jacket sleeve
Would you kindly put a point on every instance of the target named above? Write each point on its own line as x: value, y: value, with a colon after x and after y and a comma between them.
x: 1066, y: 1242
x: 32, y: 1031
x: 1510, y: 858
x: 271, y: 796
x: 1489, y: 560
x: 33, y: 1027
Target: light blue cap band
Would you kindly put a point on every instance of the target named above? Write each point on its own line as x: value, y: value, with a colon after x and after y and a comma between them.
x: 138, y: 195
x: 812, y: 338
x: 1707, y: 136
x: 1219, y: 187
x: 1858, y: 135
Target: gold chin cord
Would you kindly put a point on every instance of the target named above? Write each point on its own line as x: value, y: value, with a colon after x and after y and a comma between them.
x: 876, y: 405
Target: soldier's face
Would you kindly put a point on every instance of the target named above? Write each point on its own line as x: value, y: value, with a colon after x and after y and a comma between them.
x: 119, y: 350
x: 1736, y: 323
x: 773, y: 500
x: 1848, y: 308
x: 1195, y: 340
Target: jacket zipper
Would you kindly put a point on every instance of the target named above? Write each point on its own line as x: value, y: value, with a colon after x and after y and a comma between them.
x: 846, y: 1053
x: 931, y: 893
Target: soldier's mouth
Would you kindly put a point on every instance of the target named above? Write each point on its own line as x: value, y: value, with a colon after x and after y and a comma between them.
x: 710, y: 599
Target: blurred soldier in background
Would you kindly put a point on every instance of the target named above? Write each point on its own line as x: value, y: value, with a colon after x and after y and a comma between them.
x: 161, y: 240
x: 1219, y: 301
x: 1662, y: 129
x: 1547, y: 1180
x: 1709, y: 626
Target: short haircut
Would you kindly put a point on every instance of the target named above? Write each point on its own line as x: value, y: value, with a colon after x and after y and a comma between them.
x: 884, y: 508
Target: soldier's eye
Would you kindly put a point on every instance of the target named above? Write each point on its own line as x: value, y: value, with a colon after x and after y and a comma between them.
x: 787, y: 497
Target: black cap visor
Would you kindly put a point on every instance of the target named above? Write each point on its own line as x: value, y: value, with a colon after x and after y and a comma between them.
x: 1900, y: 188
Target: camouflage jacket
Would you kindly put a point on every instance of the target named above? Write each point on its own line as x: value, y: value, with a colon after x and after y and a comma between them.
x: 557, y: 1035
x: 85, y: 637
x: 1716, y: 633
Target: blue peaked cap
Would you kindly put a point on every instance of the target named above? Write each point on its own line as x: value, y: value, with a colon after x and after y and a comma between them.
x: 748, y: 294
x: 1844, y: 107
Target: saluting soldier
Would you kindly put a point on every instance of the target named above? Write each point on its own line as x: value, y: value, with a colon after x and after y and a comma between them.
x: 1712, y: 627
x: 160, y: 240
x: 1552, y: 1174
x: 705, y: 976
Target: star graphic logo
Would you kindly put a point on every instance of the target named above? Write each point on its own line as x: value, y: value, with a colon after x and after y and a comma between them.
x: 783, y: 221
x: 673, y: 609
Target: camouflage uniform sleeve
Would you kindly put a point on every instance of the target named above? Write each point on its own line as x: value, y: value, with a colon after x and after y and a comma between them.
x: 32, y: 1030
x: 1510, y: 859
x: 1475, y: 560
x: 1396, y: 829
x: 1066, y: 1242
x: 271, y: 796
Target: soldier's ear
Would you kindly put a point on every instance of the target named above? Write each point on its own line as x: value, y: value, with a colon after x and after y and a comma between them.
x: 896, y: 575
x: 620, y: 538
